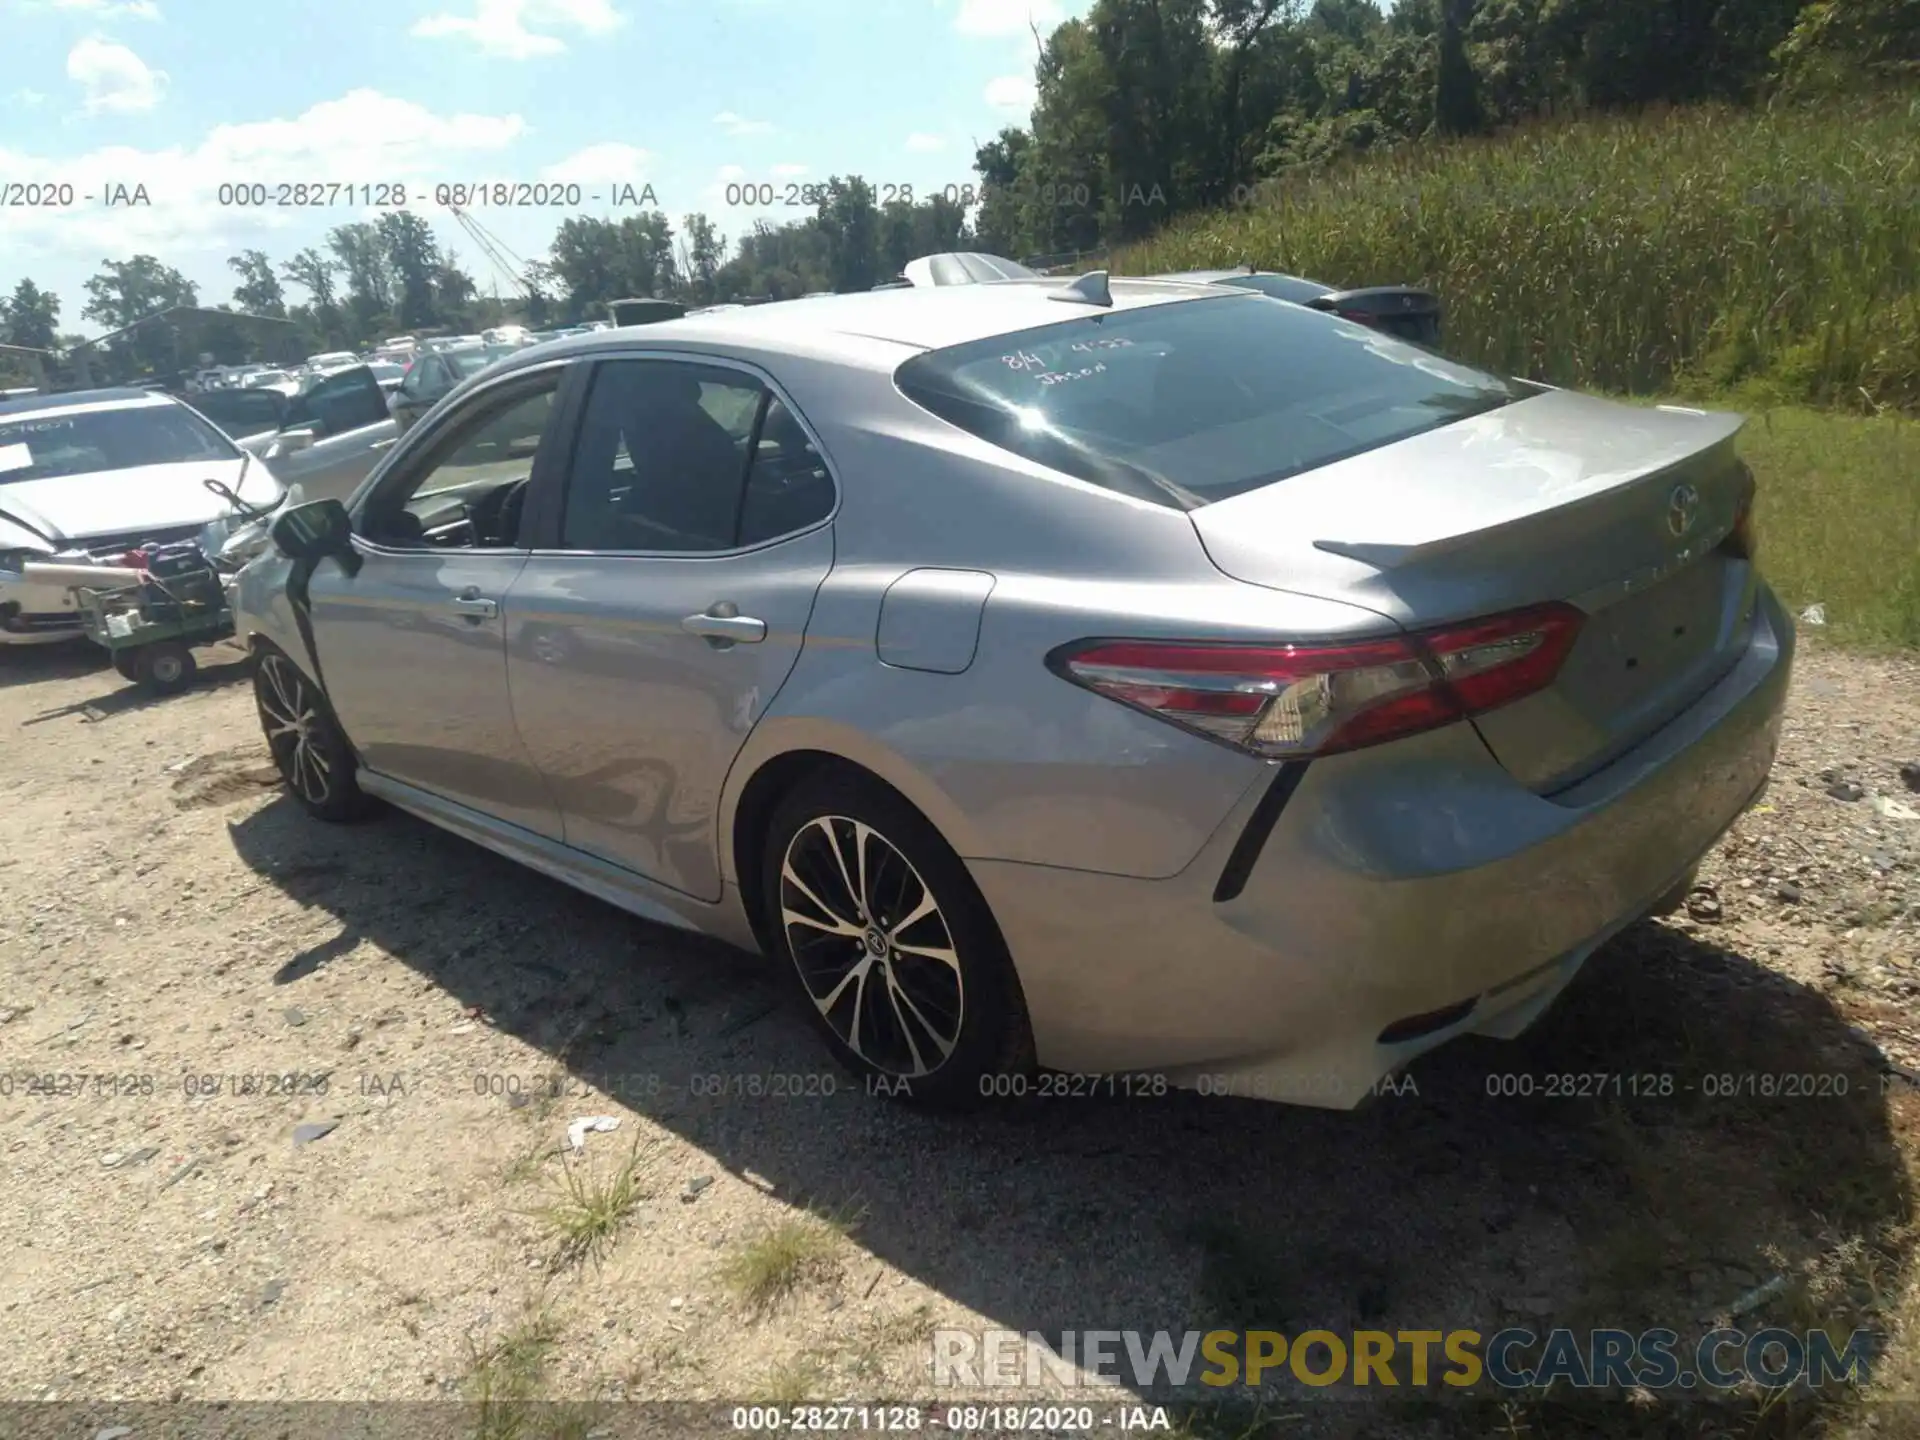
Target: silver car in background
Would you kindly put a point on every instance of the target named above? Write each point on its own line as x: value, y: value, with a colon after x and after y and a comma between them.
x: 1116, y: 677
x: 322, y: 439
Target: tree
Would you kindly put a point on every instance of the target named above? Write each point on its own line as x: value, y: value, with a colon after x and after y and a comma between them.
x: 1834, y: 42
x: 850, y: 222
x: 540, y: 282
x: 314, y: 273
x: 1240, y: 24
x: 586, y: 264
x: 259, y: 290
x: 128, y: 290
x: 363, y: 260
x: 454, y: 290
x: 1456, y: 94
x: 413, y: 260
x: 594, y: 261
x: 29, y: 316
x: 706, y: 252
x: 1000, y: 224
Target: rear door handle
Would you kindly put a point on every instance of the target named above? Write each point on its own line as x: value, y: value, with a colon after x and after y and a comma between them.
x: 475, y: 607
x: 386, y: 444
x: 722, y: 625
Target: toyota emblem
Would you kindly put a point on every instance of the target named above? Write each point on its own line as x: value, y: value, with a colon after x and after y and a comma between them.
x: 1683, y: 508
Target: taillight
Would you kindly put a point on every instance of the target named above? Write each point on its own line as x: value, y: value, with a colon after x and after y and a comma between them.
x: 1299, y: 700
x: 1743, y: 541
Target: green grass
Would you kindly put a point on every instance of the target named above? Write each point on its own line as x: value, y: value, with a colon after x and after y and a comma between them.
x: 506, y: 1378
x: 585, y: 1215
x: 777, y: 1261
x: 1839, y: 517
x: 1701, y: 247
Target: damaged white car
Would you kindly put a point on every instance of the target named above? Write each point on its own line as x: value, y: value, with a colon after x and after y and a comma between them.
x: 89, y: 475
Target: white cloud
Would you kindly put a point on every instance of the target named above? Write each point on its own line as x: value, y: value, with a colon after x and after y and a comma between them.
x: 790, y: 172
x: 113, y: 78
x: 27, y: 99
x: 1012, y: 92
x: 608, y: 163
x: 361, y: 137
x: 921, y: 143
x: 112, y: 9
x: 505, y: 28
x: 1006, y: 17
x: 738, y: 125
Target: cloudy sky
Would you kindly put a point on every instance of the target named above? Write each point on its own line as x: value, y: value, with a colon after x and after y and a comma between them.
x: 689, y: 96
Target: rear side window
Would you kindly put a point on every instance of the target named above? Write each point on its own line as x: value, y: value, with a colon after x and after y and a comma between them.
x: 1197, y: 400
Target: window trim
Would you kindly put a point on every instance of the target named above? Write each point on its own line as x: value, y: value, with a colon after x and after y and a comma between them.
x: 545, y: 536
x: 423, y: 450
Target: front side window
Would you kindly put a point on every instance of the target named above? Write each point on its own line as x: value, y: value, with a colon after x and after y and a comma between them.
x: 1193, y: 401
x: 84, y: 442
x: 470, y: 490
x: 662, y: 458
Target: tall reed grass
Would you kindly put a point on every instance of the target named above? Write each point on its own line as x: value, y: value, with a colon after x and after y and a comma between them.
x: 1774, y: 251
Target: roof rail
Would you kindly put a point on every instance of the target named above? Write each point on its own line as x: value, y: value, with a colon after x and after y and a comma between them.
x: 1090, y: 289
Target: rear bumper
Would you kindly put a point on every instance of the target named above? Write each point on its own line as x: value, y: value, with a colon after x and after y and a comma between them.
x: 1399, y: 882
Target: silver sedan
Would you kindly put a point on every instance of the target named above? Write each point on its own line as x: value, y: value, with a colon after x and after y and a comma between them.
x: 1107, y: 677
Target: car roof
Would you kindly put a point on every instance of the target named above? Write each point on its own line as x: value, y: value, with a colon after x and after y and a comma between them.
x: 116, y: 398
x: 874, y: 326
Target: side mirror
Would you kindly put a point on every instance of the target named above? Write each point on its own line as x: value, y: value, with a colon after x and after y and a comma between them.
x: 292, y: 442
x: 313, y: 531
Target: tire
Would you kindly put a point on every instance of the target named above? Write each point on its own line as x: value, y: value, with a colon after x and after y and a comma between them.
x: 165, y: 667
x: 126, y: 664
x: 308, y: 746
x: 953, y: 1018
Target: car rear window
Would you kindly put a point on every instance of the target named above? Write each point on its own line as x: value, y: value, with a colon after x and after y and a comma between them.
x: 1194, y: 401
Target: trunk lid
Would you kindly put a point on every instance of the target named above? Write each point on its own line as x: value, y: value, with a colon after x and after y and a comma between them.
x: 1618, y: 509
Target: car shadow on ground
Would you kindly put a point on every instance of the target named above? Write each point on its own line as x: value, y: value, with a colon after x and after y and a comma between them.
x: 1682, y: 1126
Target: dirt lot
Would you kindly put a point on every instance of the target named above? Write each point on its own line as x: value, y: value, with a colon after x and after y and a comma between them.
x: 170, y: 925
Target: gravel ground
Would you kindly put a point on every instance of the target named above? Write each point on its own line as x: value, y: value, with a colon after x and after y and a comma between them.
x: 191, y: 971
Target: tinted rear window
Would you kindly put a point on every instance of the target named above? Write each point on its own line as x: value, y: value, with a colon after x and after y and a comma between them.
x: 1195, y: 401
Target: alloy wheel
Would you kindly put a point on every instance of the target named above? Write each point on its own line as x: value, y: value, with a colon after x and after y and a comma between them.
x: 872, y: 947
x: 290, y: 711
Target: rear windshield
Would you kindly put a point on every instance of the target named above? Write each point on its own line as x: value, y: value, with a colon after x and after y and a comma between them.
x: 1195, y: 401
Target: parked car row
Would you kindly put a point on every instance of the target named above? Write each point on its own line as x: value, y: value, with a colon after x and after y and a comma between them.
x: 88, y: 474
